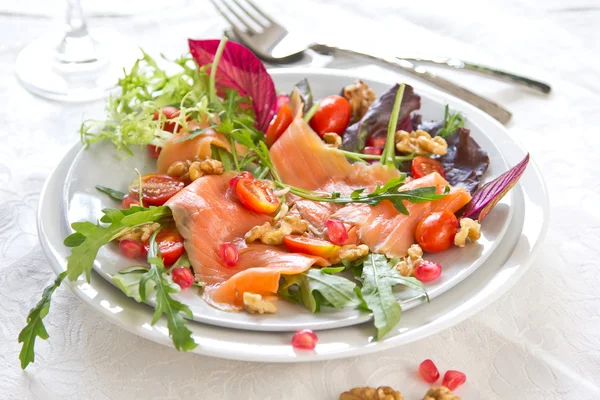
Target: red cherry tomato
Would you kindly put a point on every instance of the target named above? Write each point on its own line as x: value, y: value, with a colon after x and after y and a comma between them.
x: 170, y: 243
x: 129, y: 200
x: 279, y: 124
x: 256, y: 196
x: 427, y: 271
x: 229, y: 254
x: 245, y: 174
x: 156, y: 188
x: 183, y: 276
x: 422, y: 166
x: 376, y: 141
x: 333, y: 115
x: 153, y: 151
x: 309, y: 245
x: 436, y: 231
x: 453, y: 379
x: 336, y: 231
x: 169, y: 113
x: 132, y: 248
x: 376, y: 151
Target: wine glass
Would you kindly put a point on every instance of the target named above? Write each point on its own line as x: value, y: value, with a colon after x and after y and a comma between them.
x: 75, y: 66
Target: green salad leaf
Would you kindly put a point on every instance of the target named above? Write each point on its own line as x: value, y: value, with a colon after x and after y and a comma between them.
x: 35, y: 326
x: 316, y: 287
x: 379, y: 277
x: 452, y: 121
x: 128, y: 280
x: 165, y: 304
x: 112, y: 193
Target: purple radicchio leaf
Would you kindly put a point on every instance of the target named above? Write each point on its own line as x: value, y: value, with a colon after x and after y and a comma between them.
x: 490, y: 194
x: 241, y: 70
x: 465, y: 162
x: 374, y: 123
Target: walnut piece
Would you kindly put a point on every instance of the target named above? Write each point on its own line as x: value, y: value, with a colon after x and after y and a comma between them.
x: 420, y: 142
x: 440, y: 393
x: 140, y: 233
x: 255, y: 304
x: 406, y: 265
x: 368, y: 393
x: 468, y: 229
x: 273, y: 234
x: 190, y: 170
x: 333, y: 139
x: 350, y: 252
x: 360, y: 96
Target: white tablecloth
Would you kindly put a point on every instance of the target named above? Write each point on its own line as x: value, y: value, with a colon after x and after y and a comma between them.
x: 539, y: 341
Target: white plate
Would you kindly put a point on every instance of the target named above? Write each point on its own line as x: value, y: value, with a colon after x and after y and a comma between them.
x: 507, y: 263
x: 100, y: 165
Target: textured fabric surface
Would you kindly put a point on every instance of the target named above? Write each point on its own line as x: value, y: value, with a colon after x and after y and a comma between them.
x: 539, y: 341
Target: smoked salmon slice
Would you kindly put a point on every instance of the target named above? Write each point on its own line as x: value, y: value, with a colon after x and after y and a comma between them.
x: 207, y: 215
x: 302, y: 159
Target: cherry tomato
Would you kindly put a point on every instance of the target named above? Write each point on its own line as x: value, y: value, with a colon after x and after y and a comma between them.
x: 336, y: 231
x: 170, y: 243
x: 427, y: 271
x: 132, y: 248
x: 183, y: 276
x: 156, y: 188
x: 333, y: 115
x: 376, y: 141
x: 436, y: 231
x: 279, y: 124
x: 129, y: 200
x: 153, y: 151
x: 376, y: 151
x: 309, y: 245
x: 229, y: 254
x: 245, y: 174
x: 256, y: 196
x: 169, y: 113
x: 422, y: 166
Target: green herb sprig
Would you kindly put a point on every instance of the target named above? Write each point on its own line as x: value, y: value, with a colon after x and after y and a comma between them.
x: 452, y: 121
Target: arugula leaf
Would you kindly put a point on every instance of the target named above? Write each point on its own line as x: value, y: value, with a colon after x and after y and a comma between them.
x: 112, y: 193
x: 182, y: 261
x: 83, y: 255
x: 452, y: 121
x: 315, y: 287
x: 128, y: 280
x: 165, y: 304
x: 220, y: 154
x: 379, y: 277
x: 35, y: 326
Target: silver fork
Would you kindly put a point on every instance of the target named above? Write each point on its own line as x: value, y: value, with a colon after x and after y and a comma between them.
x: 271, y: 42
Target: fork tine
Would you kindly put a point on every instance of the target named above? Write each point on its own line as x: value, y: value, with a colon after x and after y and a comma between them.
x: 244, y: 21
x: 261, y: 12
x: 250, y: 15
x: 233, y: 24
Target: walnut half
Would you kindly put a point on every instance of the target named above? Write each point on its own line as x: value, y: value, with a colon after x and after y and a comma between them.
x: 420, y: 142
x: 360, y: 96
x: 440, y: 393
x: 469, y: 229
x: 350, y: 252
x: 406, y: 265
x: 369, y: 393
x: 255, y: 304
x: 190, y: 170
x: 274, y: 234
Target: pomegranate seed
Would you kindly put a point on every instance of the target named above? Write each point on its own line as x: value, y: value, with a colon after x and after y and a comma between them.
x: 377, y: 151
x: 429, y: 371
x: 183, y: 277
x: 132, y: 248
x: 376, y: 141
x: 336, y: 231
x: 233, y: 182
x: 304, y: 339
x: 229, y: 254
x: 453, y: 379
x: 428, y: 271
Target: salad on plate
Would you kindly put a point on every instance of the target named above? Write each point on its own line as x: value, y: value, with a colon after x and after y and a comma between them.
x: 259, y: 197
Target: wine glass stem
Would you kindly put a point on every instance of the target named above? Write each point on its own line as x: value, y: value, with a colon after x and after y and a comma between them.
x: 77, y: 46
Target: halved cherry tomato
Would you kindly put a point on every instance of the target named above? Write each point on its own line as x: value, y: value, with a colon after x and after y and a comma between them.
x: 129, y: 200
x: 376, y: 141
x: 256, y: 196
x: 436, y: 231
x: 422, y: 166
x: 233, y: 181
x: 169, y: 113
x: 170, y: 243
x: 156, y: 188
x: 333, y: 115
x: 279, y: 124
x: 312, y: 246
x: 153, y: 151
x: 132, y: 248
x: 376, y: 151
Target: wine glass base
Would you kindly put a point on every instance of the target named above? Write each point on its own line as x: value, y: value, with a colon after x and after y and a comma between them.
x: 39, y: 70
